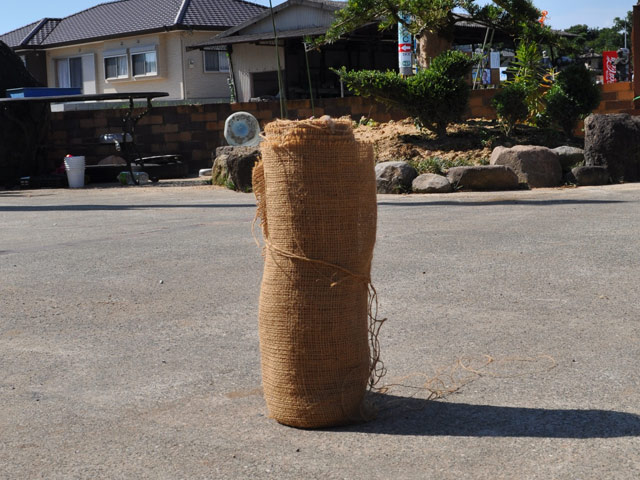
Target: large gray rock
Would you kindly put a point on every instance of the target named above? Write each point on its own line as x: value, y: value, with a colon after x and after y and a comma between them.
x: 613, y: 141
x: 431, y: 183
x: 394, y: 177
x: 584, y: 176
x: 485, y: 177
x: 239, y: 164
x: 569, y: 157
x: 536, y: 166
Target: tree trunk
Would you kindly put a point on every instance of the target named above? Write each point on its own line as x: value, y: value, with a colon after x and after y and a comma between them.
x: 430, y: 45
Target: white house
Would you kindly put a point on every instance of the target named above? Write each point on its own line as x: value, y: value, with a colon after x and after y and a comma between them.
x: 134, y: 45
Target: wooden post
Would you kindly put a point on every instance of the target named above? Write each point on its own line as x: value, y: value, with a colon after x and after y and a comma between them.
x: 635, y: 48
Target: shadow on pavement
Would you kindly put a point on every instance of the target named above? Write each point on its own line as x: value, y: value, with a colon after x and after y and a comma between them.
x: 86, y: 208
x: 463, y: 203
x: 414, y: 416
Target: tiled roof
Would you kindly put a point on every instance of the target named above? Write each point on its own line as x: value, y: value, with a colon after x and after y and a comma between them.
x: 16, y: 37
x: 235, y: 31
x: 215, y: 13
x: 128, y: 17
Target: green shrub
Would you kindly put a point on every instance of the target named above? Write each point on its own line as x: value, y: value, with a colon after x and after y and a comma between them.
x: 434, y: 97
x: 511, y: 106
x: 527, y: 72
x: 573, y: 96
x: 561, y: 110
x: 577, y: 83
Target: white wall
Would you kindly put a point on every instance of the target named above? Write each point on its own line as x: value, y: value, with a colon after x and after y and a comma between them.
x: 293, y: 18
x: 180, y: 73
x: 201, y: 84
x: 248, y: 59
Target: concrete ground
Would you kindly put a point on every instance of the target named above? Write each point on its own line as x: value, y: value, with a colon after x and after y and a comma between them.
x: 129, y: 346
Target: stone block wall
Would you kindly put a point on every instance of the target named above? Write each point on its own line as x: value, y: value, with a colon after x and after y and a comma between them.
x: 194, y: 131
x: 616, y: 98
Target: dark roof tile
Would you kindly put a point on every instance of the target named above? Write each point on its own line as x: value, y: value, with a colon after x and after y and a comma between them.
x: 128, y: 17
x: 220, y: 13
x: 17, y: 36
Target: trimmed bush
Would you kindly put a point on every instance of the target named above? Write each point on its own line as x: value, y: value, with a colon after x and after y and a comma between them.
x: 511, y: 106
x: 573, y: 96
x: 434, y: 97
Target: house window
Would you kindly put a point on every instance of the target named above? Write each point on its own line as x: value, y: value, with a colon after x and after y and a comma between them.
x: 144, y: 63
x: 215, y: 61
x: 116, y: 66
x: 69, y: 72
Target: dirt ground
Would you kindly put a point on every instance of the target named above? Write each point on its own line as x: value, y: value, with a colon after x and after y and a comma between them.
x: 470, y: 142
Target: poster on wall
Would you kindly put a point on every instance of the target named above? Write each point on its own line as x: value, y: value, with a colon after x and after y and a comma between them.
x: 609, y: 67
x: 482, y: 75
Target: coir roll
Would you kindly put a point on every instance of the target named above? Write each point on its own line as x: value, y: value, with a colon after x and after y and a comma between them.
x: 316, y: 194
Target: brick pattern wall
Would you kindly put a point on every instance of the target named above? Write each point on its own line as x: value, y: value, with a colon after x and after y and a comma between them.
x: 616, y: 98
x: 194, y: 131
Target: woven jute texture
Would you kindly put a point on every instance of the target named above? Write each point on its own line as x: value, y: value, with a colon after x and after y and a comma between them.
x: 316, y: 194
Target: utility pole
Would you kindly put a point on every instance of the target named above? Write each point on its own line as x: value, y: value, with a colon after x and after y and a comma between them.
x: 635, y: 49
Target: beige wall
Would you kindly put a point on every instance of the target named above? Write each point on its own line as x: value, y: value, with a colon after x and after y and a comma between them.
x: 201, y: 84
x: 247, y: 59
x: 180, y: 73
x: 293, y: 18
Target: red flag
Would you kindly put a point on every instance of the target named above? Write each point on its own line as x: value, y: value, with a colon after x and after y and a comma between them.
x: 609, y: 67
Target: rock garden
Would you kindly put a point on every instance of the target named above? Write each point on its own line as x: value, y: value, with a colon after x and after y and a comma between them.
x: 476, y: 155
x: 544, y: 135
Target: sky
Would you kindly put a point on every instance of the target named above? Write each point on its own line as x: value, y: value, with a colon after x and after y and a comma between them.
x: 562, y: 13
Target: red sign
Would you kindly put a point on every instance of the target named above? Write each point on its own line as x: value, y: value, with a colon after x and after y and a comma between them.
x: 608, y: 67
x: 406, y: 47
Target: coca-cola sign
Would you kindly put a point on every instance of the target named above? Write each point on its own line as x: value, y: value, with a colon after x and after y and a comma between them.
x: 609, y: 67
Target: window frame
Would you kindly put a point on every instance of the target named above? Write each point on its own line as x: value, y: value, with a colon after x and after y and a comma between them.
x: 145, y: 74
x: 116, y: 56
x: 148, y: 49
x: 219, y: 52
x: 67, y: 60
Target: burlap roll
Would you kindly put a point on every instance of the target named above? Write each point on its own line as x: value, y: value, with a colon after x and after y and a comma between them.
x: 316, y: 195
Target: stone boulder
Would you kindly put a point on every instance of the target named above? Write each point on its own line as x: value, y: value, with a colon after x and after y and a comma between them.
x: 613, y: 141
x: 431, y: 183
x: 394, y: 177
x: 485, y: 177
x: 219, y: 172
x: 569, y: 157
x: 239, y: 163
x: 536, y: 166
x: 585, y: 176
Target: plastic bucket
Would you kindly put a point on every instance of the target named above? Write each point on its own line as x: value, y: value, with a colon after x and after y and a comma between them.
x: 75, y: 171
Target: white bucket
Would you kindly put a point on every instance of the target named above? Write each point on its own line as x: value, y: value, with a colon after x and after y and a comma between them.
x: 75, y: 171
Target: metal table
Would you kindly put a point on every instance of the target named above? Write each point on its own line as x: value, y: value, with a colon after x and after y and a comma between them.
x: 124, y: 142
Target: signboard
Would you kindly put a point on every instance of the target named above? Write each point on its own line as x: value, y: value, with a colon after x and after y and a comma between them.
x: 405, y: 48
x: 494, y: 60
x: 482, y: 75
x: 609, y: 67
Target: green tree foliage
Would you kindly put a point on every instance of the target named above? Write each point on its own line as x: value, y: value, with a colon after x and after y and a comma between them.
x: 528, y: 73
x: 511, y: 106
x: 514, y: 17
x: 431, y: 15
x: 597, y: 39
x: 435, y: 97
x: 573, y: 96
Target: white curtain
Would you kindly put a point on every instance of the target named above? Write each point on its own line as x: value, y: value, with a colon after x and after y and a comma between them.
x: 63, y: 74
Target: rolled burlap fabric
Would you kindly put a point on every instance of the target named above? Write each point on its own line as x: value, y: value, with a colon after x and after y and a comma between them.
x: 316, y: 194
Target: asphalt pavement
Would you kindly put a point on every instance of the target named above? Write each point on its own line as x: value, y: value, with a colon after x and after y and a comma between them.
x: 129, y: 345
